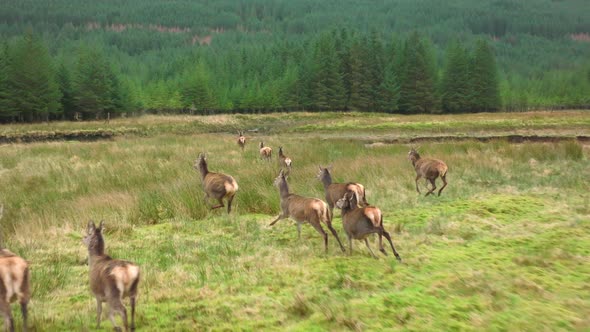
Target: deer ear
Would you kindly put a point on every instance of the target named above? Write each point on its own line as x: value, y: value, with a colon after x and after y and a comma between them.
x: 101, y: 226
x: 91, y: 227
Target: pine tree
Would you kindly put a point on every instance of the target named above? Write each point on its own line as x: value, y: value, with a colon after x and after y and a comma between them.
x: 360, y: 86
x: 455, y: 85
x: 67, y: 94
x: 33, y: 91
x: 328, y: 89
x: 376, y: 72
x: 485, y: 95
x: 417, y: 83
x: 4, y: 84
x: 197, y: 93
x: 93, y: 87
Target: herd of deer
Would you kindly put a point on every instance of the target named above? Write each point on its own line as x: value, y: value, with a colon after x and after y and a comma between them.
x: 112, y: 280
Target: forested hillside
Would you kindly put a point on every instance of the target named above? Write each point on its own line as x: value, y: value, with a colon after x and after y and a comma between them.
x: 65, y: 57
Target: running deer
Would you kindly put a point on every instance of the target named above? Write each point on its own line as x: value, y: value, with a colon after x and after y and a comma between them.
x: 111, y: 280
x: 265, y: 151
x: 284, y: 161
x: 335, y: 191
x: 430, y: 169
x: 14, y: 285
x: 360, y: 222
x: 303, y: 209
x: 241, y: 140
x: 216, y: 185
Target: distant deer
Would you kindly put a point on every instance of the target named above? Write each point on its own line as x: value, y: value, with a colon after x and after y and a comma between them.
x: 241, y: 140
x: 111, y: 280
x: 335, y: 191
x: 360, y: 222
x: 304, y: 209
x: 284, y: 161
x: 216, y: 185
x: 430, y: 169
x: 14, y: 284
x: 265, y: 151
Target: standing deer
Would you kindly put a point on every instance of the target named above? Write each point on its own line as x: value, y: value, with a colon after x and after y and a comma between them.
x: 14, y: 285
x: 265, y: 151
x: 304, y: 209
x: 430, y: 169
x: 360, y: 222
x: 216, y: 185
x: 335, y: 191
x: 111, y: 280
x: 284, y: 161
x: 241, y: 140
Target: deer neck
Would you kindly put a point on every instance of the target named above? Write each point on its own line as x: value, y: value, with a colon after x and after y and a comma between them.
x: 284, y: 188
x: 96, y: 250
x: 415, y: 160
x: 326, y: 180
x: 204, y: 170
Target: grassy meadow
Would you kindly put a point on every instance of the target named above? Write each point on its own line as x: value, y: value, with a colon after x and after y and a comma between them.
x: 506, y: 246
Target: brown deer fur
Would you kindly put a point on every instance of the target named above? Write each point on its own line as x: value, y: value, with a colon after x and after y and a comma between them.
x: 265, y: 151
x: 304, y: 209
x: 430, y: 169
x: 111, y: 280
x: 360, y: 222
x: 335, y: 191
x: 14, y: 285
x: 284, y: 161
x: 241, y: 140
x: 216, y: 185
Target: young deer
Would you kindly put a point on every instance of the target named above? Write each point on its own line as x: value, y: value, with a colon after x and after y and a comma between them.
x: 111, y: 280
x: 304, y: 209
x: 265, y: 151
x: 360, y: 222
x: 335, y: 191
x: 284, y: 161
x: 430, y: 169
x: 216, y: 185
x: 241, y: 140
x: 14, y: 285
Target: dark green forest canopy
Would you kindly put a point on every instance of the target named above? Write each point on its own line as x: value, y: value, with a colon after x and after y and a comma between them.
x: 261, y: 55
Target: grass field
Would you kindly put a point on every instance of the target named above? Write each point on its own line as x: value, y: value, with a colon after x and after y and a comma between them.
x: 506, y: 246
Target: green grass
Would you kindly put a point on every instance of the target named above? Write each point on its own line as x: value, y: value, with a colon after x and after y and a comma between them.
x: 506, y: 246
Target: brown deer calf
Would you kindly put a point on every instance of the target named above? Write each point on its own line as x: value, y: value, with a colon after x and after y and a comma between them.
x: 265, y: 151
x: 304, y: 209
x: 241, y: 140
x: 284, y: 161
x: 430, y: 169
x: 335, y: 191
x: 14, y: 284
x: 359, y: 222
x: 216, y: 185
x: 111, y: 280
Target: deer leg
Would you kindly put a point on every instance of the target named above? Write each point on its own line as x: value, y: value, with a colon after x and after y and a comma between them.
x: 98, y: 312
x: 320, y: 230
x: 281, y: 216
x: 444, y: 179
x: 220, y: 200
x: 335, y: 235
x: 116, y: 306
x: 132, y: 300
x: 418, y: 178
x: 381, y: 242
x: 8, y: 321
x: 433, y: 187
x: 349, y: 245
x: 24, y: 311
x: 388, y: 237
x: 229, y: 200
x: 370, y: 250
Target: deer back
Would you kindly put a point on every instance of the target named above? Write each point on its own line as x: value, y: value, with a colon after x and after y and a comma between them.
x: 14, y: 276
